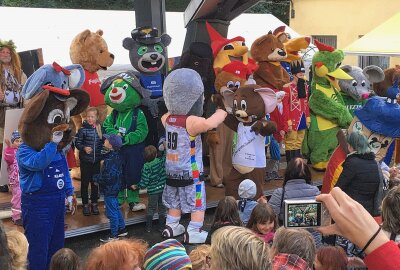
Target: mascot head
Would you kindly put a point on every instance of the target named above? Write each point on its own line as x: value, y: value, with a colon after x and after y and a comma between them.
x: 123, y: 91
x: 146, y: 49
x: 52, y: 103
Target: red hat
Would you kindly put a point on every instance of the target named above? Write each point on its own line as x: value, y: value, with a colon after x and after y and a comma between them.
x: 218, y: 41
x: 237, y: 68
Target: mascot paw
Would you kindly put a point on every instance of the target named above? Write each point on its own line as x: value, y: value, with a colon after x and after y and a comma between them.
x: 218, y: 100
x: 212, y: 138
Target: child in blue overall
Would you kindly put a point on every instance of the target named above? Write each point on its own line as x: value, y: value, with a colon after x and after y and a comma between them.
x: 110, y: 182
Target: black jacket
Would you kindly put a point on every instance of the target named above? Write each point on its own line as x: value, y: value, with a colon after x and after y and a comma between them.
x: 360, y: 179
x: 87, y: 136
x: 110, y: 177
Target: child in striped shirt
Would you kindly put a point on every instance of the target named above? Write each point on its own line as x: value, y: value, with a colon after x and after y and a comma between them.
x: 153, y: 178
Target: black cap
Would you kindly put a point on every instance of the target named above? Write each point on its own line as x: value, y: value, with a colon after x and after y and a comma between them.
x: 146, y: 35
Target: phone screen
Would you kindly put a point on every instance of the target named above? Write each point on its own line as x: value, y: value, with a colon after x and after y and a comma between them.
x: 300, y: 215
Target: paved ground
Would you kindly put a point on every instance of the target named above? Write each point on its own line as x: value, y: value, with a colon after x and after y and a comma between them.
x: 83, y: 244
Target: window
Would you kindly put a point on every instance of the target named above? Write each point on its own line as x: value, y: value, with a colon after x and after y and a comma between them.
x: 380, y: 61
x: 328, y: 40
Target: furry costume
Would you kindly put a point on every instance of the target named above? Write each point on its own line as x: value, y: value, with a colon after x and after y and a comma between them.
x: 250, y: 104
x: 146, y: 54
x: 268, y: 51
x: 185, y: 190
x: 356, y: 92
x: 328, y: 112
x: 232, y: 76
x: 124, y: 94
x: 44, y: 177
x: 378, y: 121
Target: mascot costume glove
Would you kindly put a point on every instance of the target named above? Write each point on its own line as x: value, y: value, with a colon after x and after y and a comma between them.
x: 44, y: 176
x: 185, y: 189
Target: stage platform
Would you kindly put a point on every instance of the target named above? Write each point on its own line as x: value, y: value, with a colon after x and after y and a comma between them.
x: 79, y: 224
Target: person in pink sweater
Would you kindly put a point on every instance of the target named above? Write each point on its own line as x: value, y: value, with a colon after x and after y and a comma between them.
x: 13, y: 175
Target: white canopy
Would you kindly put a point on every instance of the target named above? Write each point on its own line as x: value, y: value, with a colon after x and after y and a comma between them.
x: 53, y: 29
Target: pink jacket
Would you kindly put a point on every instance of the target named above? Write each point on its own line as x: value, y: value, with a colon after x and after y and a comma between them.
x: 12, y: 168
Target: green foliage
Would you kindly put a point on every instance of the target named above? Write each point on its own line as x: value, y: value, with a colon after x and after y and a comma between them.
x: 278, y: 8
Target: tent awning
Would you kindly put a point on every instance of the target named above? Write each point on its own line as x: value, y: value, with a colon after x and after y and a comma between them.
x: 383, y: 40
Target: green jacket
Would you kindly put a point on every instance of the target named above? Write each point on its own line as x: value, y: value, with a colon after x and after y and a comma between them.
x: 154, y: 175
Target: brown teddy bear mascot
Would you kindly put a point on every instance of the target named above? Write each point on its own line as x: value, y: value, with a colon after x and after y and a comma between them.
x: 46, y: 128
x: 250, y: 104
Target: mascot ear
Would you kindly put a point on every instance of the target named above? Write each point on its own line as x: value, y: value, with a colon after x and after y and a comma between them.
x: 165, y: 40
x: 228, y: 95
x: 99, y: 32
x: 374, y: 74
x: 269, y: 97
x: 128, y: 43
x: 34, y: 83
x: 82, y: 101
x: 34, y: 107
x: 84, y: 35
x: 77, y: 77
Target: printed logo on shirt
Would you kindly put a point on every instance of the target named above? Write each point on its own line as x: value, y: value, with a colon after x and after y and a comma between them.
x: 95, y: 81
x: 60, y: 184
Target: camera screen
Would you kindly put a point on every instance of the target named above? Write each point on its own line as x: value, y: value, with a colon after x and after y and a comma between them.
x: 303, y: 215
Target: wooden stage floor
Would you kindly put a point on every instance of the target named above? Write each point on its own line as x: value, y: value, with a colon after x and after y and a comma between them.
x: 80, y: 225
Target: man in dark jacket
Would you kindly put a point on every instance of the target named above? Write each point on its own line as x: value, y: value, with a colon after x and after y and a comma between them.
x: 110, y: 180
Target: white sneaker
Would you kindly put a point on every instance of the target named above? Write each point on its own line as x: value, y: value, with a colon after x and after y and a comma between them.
x: 173, y: 230
x: 137, y: 207
x: 195, y: 236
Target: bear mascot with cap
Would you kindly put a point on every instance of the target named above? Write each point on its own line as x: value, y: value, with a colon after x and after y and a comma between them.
x: 46, y: 128
x: 185, y: 189
x: 146, y: 54
x: 124, y: 94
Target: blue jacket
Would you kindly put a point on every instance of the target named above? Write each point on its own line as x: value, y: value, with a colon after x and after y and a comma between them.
x: 87, y: 137
x: 245, y: 209
x: 110, y: 177
x: 31, y: 164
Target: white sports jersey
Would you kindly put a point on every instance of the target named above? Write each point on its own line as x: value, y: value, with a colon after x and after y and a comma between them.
x: 249, y: 149
x: 179, y: 163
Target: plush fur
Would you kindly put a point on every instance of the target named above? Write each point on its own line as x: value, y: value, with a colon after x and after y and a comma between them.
x: 250, y: 104
x: 268, y: 51
x: 391, y: 74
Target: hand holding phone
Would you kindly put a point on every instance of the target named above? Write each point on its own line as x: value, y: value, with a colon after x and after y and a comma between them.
x: 305, y: 214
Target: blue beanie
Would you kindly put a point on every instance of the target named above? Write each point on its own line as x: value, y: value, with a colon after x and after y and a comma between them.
x: 15, y: 135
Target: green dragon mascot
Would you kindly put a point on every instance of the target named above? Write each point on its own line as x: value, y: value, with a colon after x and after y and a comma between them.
x: 124, y: 94
x: 327, y: 109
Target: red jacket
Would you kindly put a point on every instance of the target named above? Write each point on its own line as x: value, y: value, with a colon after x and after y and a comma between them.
x: 385, y: 257
x: 280, y: 120
x: 295, y: 108
x: 92, y: 86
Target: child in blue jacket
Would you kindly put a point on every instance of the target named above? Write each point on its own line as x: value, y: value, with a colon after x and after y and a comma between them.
x: 109, y: 180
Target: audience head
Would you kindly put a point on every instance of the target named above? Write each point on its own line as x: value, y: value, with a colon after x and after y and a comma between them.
x: 117, y: 255
x: 394, y: 183
x: 284, y: 261
x: 169, y: 254
x: 263, y: 219
x: 358, y: 142
x: 330, y: 258
x: 150, y: 153
x: 297, y: 169
x: 65, y: 259
x: 5, y: 261
x: 237, y: 248
x: 227, y: 211
x: 247, y: 189
x: 294, y: 241
x: 200, y: 257
x: 18, y: 249
x: 391, y: 211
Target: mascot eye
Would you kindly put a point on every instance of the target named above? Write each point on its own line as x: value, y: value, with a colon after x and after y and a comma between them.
x: 235, y: 104
x: 55, y: 116
x: 363, y: 83
x: 228, y: 47
x: 230, y: 84
x: 142, y: 50
x: 237, y: 84
x: 125, y: 86
x: 243, y: 105
x: 354, y: 83
x: 338, y: 64
x: 357, y: 126
x: 158, y: 48
x: 243, y: 43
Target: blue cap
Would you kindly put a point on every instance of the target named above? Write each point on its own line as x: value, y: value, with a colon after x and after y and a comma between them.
x: 15, y: 135
x: 114, y: 140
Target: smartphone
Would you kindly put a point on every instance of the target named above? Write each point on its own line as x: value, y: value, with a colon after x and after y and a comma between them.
x: 305, y: 214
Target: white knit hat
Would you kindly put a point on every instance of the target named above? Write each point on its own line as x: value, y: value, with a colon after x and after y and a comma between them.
x: 247, y: 189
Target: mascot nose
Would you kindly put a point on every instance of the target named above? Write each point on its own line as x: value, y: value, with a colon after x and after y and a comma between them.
x: 281, y: 53
x: 154, y: 56
x: 111, y: 55
x: 114, y: 90
x: 365, y: 95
